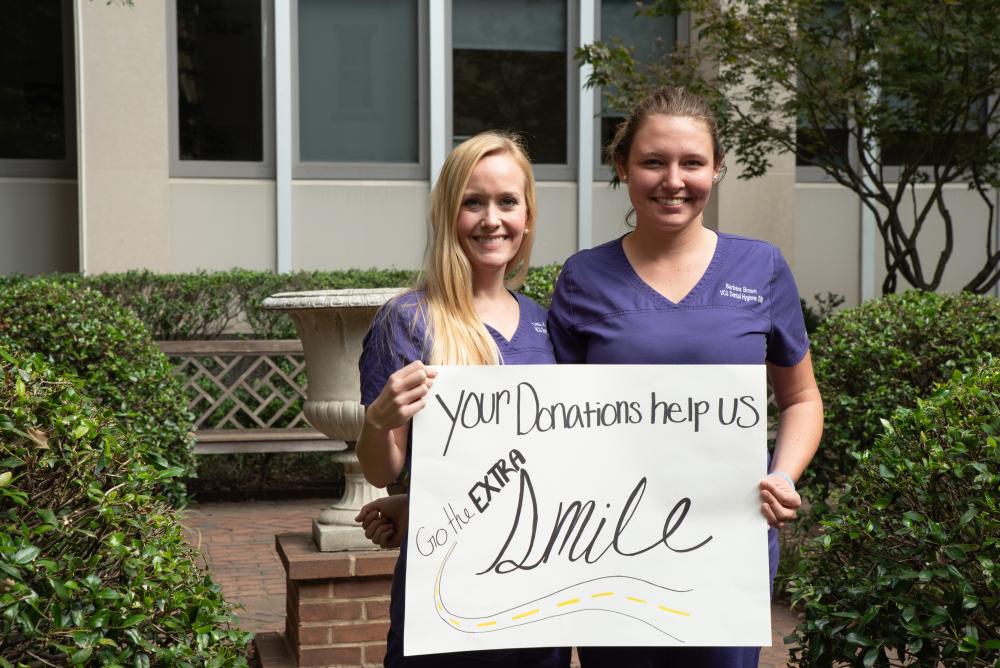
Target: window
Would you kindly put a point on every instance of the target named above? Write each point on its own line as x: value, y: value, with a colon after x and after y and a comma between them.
x: 221, y: 89
x: 650, y: 38
x: 511, y: 71
x: 361, y: 71
x: 37, y: 105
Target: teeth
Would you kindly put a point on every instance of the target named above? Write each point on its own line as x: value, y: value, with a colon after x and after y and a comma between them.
x: 491, y: 241
x: 672, y: 201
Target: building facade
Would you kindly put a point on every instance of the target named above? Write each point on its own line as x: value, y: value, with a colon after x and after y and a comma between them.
x: 178, y: 135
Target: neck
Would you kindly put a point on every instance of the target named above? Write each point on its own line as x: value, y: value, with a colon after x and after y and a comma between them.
x: 488, y: 287
x: 649, y: 242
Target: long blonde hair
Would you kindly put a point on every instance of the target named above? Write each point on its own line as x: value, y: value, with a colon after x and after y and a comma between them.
x: 455, y: 334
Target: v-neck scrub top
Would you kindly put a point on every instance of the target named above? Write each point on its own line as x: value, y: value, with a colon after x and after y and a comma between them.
x: 745, y: 309
x: 398, y: 337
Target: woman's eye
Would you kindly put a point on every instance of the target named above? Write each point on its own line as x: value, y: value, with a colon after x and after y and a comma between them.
x: 508, y: 202
x: 471, y: 202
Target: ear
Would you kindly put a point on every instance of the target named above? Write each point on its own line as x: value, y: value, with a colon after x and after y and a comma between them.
x: 622, y: 172
x: 720, y: 173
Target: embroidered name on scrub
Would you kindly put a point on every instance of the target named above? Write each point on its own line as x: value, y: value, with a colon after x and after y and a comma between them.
x: 741, y: 293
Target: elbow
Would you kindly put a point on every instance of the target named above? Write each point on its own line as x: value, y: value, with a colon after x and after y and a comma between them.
x: 380, y: 479
x: 377, y: 470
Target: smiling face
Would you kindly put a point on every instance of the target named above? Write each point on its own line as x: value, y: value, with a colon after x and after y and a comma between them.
x: 493, y: 215
x: 670, y: 171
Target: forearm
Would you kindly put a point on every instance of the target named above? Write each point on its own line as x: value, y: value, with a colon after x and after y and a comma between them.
x: 800, y: 417
x: 382, y: 453
x: 800, y: 426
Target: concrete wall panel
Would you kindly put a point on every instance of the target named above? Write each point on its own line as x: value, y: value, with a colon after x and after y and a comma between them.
x: 761, y: 208
x: 555, y: 238
x: 358, y: 224
x: 827, y: 241
x: 610, y: 207
x: 122, y: 93
x: 219, y: 224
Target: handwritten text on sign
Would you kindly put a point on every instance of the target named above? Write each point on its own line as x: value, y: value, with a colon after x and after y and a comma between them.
x: 588, y: 505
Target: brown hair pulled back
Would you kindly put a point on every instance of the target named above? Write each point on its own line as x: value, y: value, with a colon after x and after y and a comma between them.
x: 668, y: 101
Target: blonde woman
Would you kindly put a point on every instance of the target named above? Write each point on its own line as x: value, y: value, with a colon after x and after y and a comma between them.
x: 463, y: 312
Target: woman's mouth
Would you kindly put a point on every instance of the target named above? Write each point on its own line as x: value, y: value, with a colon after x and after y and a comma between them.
x: 670, y: 201
x: 492, y: 240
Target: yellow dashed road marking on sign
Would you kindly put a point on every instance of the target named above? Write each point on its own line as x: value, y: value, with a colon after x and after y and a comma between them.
x: 603, y: 593
x: 570, y: 601
x: 633, y: 598
x: 529, y: 613
x: 454, y: 621
x: 487, y: 624
x: 676, y: 612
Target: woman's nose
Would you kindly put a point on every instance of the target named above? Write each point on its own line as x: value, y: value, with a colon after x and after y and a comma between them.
x: 672, y: 177
x: 491, y: 216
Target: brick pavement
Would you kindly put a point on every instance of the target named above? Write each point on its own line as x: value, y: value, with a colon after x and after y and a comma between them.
x: 237, y: 541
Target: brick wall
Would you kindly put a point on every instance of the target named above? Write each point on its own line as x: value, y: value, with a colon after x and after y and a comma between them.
x: 337, y: 603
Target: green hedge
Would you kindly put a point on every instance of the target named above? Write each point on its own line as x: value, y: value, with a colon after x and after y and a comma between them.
x: 227, y: 304
x: 887, y: 353
x: 94, y: 569
x: 908, y: 566
x: 83, y: 333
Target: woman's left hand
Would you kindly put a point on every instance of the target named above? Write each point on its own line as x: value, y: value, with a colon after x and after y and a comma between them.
x: 780, y: 500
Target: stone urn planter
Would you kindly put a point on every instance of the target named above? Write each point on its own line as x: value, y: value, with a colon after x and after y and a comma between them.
x: 332, y: 324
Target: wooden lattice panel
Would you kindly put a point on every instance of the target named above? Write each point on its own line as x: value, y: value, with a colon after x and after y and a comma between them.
x: 242, y: 384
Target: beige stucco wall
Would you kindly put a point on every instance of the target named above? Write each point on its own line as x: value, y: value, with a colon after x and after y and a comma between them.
x: 361, y: 224
x: 827, y: 241
x: 38, y: 222
x: 760, y: 208
x: 555, y: 239
x: 219, y: 224
x: 358, y: 224
x: 610, y: 205
x: 123, y: 156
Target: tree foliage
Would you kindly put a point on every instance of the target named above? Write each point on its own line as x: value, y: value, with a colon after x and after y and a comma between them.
x: 850, y: 85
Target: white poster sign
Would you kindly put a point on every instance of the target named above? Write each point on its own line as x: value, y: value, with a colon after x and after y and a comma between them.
x: 588, y: 505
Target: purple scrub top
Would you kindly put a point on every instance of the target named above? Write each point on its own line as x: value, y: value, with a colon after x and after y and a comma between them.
x: 397, y: 338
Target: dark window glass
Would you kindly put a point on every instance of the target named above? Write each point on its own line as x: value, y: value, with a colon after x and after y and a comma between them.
x: 32, y: 92
x: 811, y: 143
x: 649, y: 38
x: 359, y: 81
x: 905, y: 144
x: 219, y: 80
x: 509, y: 72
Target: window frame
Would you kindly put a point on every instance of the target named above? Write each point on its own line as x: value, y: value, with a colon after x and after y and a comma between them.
x: 383, y: 171
x: 237, y: 169
x: 65, y: 168
x: 602, y: 170
x: 543, y: 171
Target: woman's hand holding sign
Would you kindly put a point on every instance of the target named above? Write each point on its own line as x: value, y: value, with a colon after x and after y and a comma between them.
x: 382, y: 446
x: 780, y: 501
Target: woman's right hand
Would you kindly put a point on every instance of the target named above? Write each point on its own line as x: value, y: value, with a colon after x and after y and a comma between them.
x: 404, y: 393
